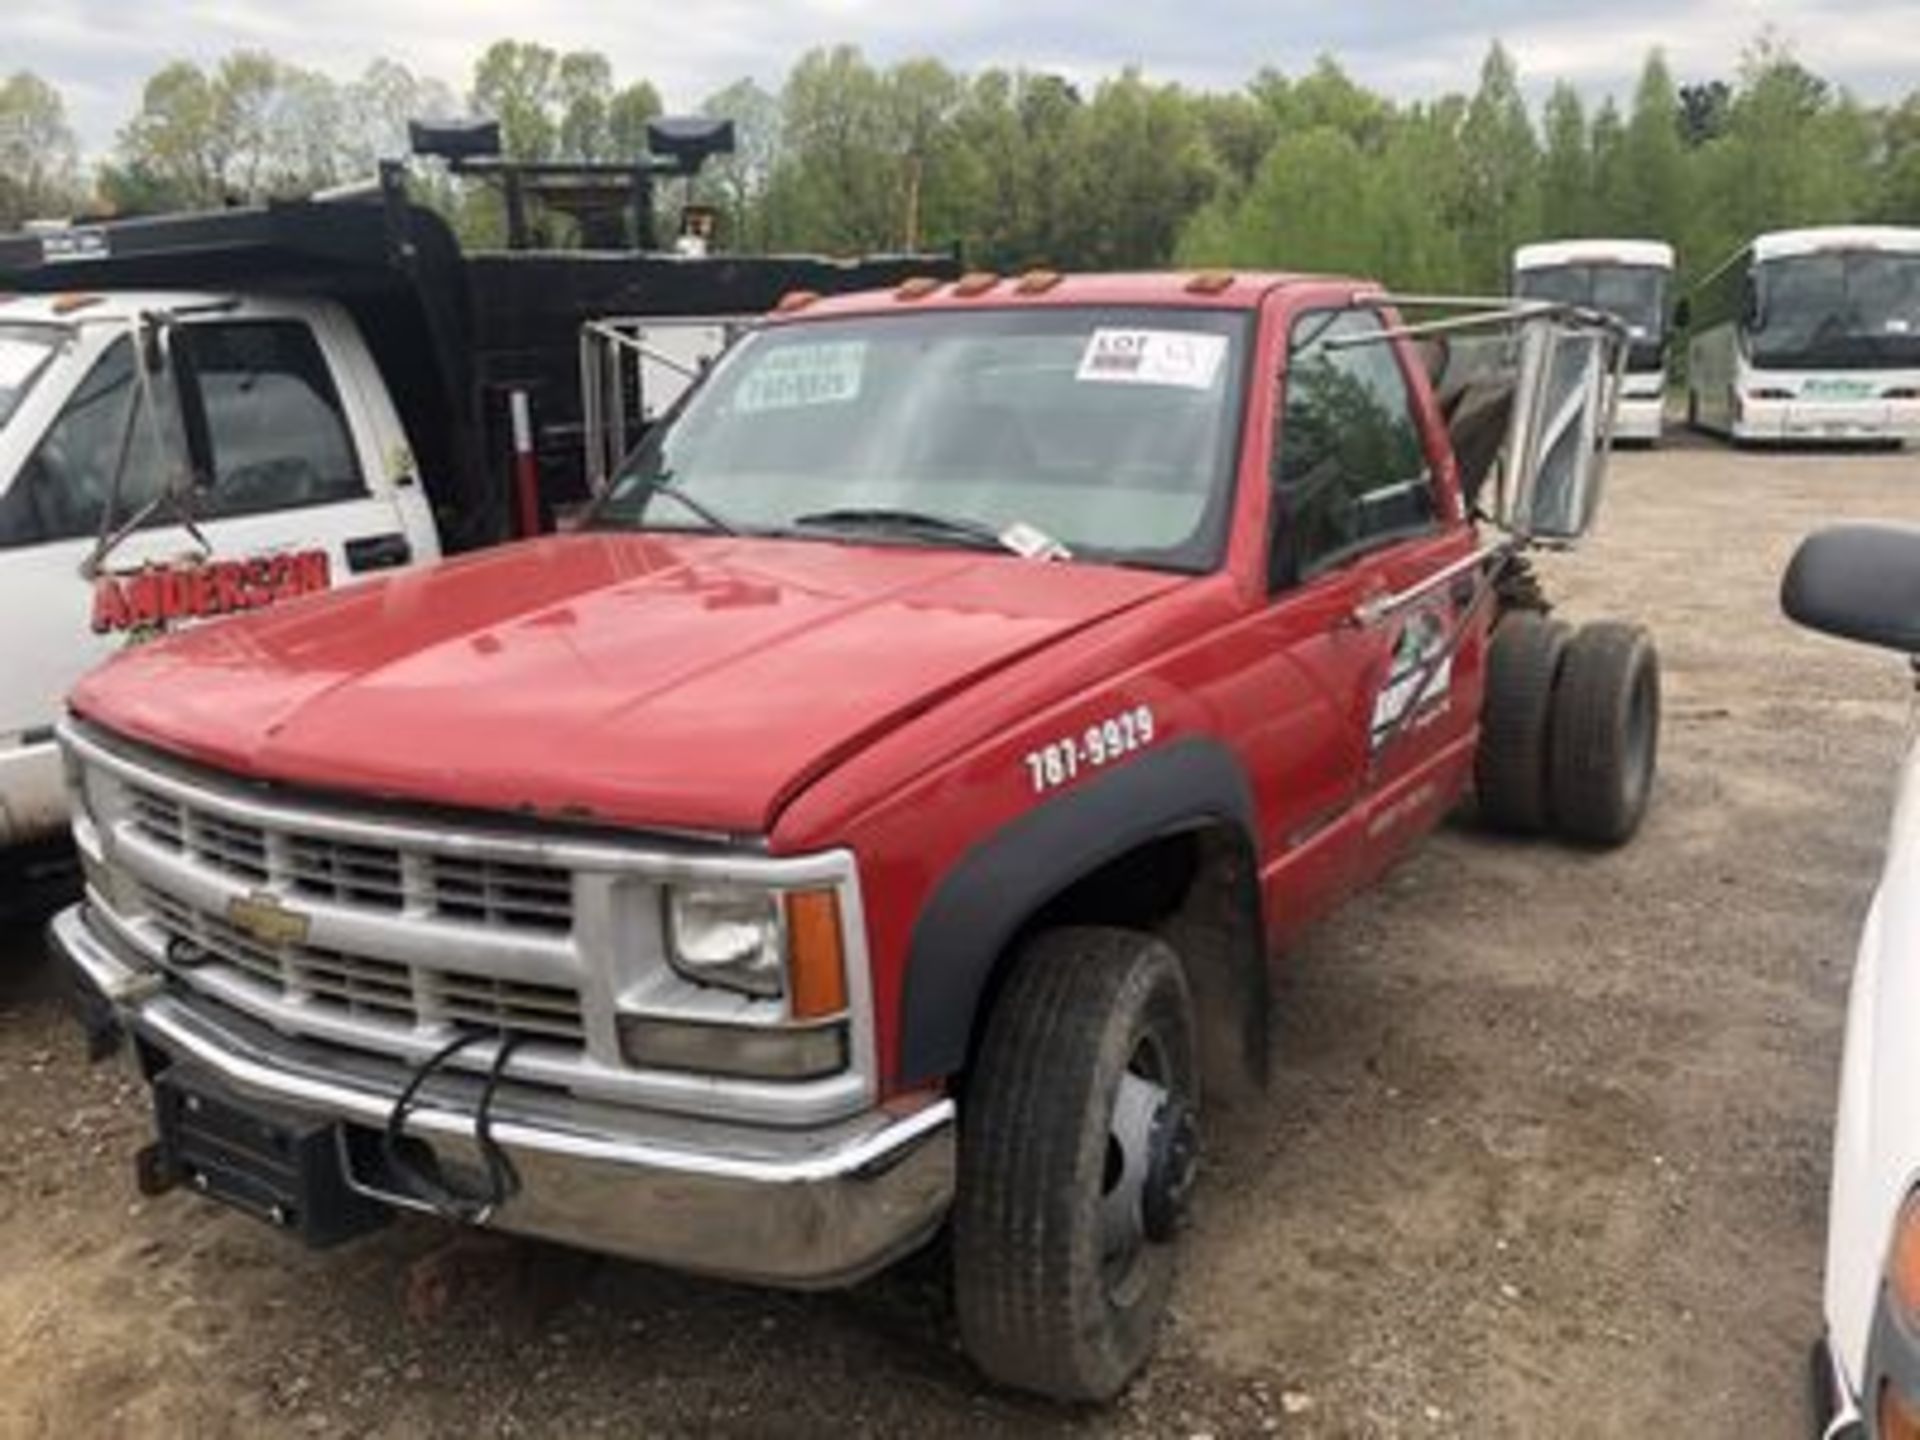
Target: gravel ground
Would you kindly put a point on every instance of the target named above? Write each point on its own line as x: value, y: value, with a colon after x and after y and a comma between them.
x: 1545, y: 1151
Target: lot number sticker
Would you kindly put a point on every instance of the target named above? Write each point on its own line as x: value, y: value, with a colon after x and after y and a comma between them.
x: 796, y: 376
x: 1187, y: 359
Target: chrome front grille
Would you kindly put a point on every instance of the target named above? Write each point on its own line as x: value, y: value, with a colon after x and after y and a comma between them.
x: 388, y: 932
x: 367, y: 986
x: 459, y: 888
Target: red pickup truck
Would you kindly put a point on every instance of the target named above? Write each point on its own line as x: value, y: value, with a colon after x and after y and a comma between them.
x: 880, y: 816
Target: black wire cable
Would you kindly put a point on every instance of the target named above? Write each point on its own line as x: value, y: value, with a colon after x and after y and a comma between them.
x: 503, y: 1182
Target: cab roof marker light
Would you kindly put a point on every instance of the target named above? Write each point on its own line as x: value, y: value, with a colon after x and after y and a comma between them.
x: 919, y: 287
x: 795, y: 300
x: 72, y: 301
x: 1210, y: 282
x: 975, y: 282
x: 1037, y: 282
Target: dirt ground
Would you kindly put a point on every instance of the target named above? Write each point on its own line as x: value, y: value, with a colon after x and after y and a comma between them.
x: 1545, y: 1152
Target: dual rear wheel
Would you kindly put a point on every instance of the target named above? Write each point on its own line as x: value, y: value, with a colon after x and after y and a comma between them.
x: 1570, y: 729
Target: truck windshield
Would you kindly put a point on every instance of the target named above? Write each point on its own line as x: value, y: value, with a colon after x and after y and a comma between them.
x: 1110, y: 431
x: 24, y: 352
x: 1838, y: 310
x: 1635, y: 294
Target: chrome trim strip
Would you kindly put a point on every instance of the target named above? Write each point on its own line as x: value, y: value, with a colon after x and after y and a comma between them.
x: 474, y: 840
x: 1847, y: 1422
x: 828, y: 1154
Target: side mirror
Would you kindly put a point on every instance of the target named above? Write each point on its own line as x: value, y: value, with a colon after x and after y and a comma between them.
x: 1859, y: 582
x: 1683, y: 313
x: 1560, y: 432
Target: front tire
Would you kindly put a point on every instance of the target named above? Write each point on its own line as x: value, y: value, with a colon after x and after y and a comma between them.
x: 1077, y: 1145
x: 1605, y: 734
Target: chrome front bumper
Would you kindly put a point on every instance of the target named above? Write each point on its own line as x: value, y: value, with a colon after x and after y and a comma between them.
x: 1836, y: 1413
x: 814, y: 1207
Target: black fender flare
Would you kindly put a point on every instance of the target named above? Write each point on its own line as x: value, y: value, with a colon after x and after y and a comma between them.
x: 996, y: 887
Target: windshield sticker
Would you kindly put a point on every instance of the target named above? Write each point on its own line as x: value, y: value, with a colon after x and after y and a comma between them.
x: 1188, y: 359
x: 797, y: 376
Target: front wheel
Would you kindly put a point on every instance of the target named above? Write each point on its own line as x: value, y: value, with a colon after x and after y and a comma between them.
x: 1078, y: 1144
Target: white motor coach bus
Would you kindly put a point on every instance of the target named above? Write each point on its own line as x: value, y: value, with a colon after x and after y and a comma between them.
x: 1628, y: 279
x: 1808, y: 336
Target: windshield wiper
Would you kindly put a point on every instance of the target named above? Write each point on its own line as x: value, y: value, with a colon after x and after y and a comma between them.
x: 909, y: 522
x: 662, y: 484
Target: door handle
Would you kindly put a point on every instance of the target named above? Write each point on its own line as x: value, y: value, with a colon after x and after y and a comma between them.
x: 378, y: 552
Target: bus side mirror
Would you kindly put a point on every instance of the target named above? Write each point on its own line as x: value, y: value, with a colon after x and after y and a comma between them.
x: 1858, y: 582
x: 1683, y: 314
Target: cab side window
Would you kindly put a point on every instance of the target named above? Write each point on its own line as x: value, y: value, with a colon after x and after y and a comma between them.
x: 61, y: 492
x: 1349, y: 471
x: 276, y: 432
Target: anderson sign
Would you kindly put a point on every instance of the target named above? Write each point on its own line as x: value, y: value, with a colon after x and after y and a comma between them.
x: 157, y: 595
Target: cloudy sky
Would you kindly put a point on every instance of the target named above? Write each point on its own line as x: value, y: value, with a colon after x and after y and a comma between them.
x: 99, y: 50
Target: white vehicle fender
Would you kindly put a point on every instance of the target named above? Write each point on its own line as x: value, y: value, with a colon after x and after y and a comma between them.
x: 1876, y: 1142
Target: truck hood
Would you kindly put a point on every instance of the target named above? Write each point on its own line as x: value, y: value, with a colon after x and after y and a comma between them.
x: 640, y: 680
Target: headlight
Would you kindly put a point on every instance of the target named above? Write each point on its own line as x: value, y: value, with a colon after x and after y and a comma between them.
x: 728, y: 936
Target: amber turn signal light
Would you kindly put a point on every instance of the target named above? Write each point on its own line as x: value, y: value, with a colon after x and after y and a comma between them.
x: 1903, y: 1264
x: 816, y: 959
x: 1899, y: 1420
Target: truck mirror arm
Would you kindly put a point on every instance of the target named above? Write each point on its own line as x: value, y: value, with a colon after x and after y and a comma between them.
x: 152, y: 350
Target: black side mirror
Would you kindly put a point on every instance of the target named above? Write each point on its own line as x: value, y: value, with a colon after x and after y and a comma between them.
x: 1859, y: 582
x: 1683, y: 314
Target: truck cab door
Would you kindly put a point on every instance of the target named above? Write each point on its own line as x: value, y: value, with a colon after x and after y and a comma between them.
x: 1355, y: 518
x: 288, y: 503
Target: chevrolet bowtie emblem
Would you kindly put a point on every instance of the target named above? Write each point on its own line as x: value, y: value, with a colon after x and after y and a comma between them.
x: 265, y: 919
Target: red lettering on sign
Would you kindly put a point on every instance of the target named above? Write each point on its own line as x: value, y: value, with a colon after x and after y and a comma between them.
x: 110, y: 609
x: 157, y: 595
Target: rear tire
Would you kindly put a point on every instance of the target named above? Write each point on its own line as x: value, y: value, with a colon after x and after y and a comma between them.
x: 1059, y: 1286
x: 1605, y: 734
x: 1510, y: 765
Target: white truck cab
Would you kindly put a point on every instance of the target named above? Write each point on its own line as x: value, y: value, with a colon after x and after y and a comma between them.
x: 1862, y: 582
x: 168, y: 457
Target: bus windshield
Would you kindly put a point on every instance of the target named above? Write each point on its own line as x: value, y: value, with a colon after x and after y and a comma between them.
x: 1856, y: 309
x: 1636, y: 294
x: 24, y: 352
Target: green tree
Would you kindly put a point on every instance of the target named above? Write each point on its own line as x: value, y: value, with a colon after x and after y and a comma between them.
x: 1608, y: 167
x: 517, y: 83
x: 1654, y: 184
x: 1566, y: 170
x: 39, y: 159
x: 738, y: 182
x: 1141, y: 167
x: 1502, y: 160
x: 628, y: 112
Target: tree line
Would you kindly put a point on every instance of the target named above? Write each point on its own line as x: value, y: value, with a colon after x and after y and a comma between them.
x: 1021, y: 168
